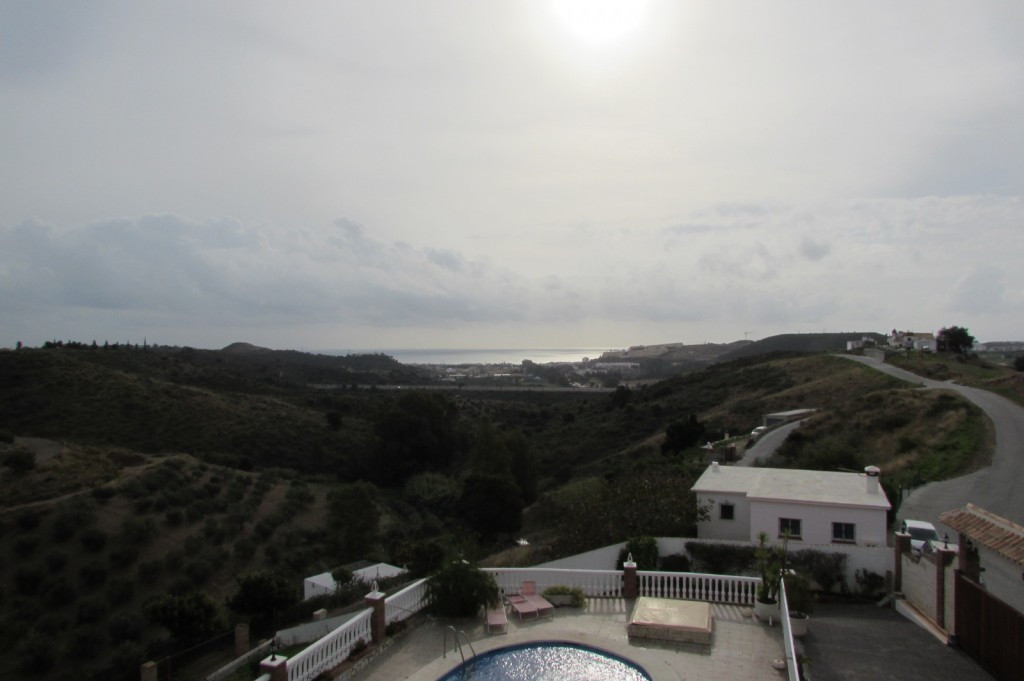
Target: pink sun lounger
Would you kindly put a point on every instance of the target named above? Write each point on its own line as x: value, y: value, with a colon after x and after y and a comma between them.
x: 524, y: 608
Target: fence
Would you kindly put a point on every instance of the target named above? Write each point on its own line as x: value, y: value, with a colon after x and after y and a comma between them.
x: 699, y: 587
x: 331, y: 650
x: 257, y: 653
x: 595, y: 583
x: 989, y: 630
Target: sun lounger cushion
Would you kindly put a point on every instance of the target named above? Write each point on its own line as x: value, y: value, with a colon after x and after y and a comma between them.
x: 497, y: 622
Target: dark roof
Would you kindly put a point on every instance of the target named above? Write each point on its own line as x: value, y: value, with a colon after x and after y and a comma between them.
x: 1003, y: 536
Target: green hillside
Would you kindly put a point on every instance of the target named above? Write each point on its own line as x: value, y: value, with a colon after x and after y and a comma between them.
x: 159, y: 477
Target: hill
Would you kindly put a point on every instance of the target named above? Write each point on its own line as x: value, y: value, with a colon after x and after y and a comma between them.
x: 171, y: 472
x: 799, y: 342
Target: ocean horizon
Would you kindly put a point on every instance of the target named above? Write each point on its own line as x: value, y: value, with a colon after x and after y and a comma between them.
x: 479, y: 355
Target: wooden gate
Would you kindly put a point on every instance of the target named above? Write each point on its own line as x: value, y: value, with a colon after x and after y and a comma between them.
x: 989, y: 630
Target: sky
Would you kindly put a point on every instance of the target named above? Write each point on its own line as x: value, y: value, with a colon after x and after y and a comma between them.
x: 508, y: 173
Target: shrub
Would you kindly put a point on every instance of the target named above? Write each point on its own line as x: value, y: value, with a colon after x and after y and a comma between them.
x: 869, y: 583
x: 644, y: 551
x: 27, y: 519
x: 90, y: 610
x: 578, y: 599
x: 125, y: 626
x: 358, y: 647
x: 92, y: 574
x: 120, y: 591
x: 85, y: 642
x: 828, y: 570
x: 20, y: 460
x: 461, y: 590
x: 93, y: 540
x: 676, y: 562
x: 28, y: 579
x: 798, y: 593
x: 721, y: 559
x: 56, y: 560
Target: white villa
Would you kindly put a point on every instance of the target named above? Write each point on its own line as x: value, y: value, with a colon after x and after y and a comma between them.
x: 812, y: 507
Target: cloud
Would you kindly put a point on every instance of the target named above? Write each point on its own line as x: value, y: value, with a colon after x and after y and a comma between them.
x: 865, y: 265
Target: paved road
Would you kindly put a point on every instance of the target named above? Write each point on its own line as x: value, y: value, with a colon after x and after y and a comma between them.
x: 995, y: 487
x: 767, y: 444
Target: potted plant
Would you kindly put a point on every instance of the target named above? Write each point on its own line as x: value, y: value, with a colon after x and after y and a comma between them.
x: 770, y: 562
x: 560, y: 595
x: 800, y: 602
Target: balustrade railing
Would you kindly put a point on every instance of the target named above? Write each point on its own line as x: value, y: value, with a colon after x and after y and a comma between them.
x: 595, y: 583
x: 331, y: 650
x: 406, y: 602
x: 699, y: 587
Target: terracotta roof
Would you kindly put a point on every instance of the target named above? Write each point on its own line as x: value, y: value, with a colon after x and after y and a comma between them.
x: 1003, y: 536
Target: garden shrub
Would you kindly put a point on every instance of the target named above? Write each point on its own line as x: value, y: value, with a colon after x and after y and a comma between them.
x: 676, y: 562
x: 460, y: 590
x: 721, y: 559
x: 93, y: 540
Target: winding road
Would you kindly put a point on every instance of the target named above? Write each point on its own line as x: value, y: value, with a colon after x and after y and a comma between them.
x: 999, y: 487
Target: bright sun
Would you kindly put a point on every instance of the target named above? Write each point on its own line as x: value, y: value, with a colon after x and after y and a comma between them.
x: 600, y: 22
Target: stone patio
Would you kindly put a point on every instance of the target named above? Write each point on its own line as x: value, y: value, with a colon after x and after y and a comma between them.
x: 741, y: 649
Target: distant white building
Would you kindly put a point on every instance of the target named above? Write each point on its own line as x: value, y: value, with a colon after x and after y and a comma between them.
x: 812, y: 507
x: 324, y: 584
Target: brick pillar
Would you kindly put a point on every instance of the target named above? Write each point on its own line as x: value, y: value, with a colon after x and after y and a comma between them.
x: 147, y: 672
x: 902, y: 545
x: 630, y: 583
x: 943, y: 559
x: 378, y: 619
x: 241, y: 639
x: 276, y: 666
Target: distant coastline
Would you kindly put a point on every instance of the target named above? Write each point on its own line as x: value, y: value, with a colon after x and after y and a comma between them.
x: 480, y: 356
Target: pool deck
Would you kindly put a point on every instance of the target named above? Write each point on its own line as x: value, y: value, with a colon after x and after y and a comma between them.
x: 741, y: 648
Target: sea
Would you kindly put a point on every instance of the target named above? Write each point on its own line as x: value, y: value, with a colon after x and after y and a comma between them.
x: 451, y: 356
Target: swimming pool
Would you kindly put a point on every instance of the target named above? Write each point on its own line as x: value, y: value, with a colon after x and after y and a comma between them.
x: 548, y: 661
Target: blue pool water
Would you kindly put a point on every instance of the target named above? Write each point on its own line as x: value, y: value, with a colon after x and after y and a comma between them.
x: 547, y: 662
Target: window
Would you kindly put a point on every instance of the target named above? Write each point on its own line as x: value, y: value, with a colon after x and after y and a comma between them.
x: 844, y: 532
x: 789, y: 526
x: 726, y: 511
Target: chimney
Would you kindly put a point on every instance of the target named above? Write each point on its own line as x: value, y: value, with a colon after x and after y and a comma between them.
x: 714, y: 466
x: 872, y: 473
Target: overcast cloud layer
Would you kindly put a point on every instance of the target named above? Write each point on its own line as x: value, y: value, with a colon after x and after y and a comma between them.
x: 477, y: 174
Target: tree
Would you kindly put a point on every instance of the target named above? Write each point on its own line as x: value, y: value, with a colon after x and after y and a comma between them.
x: 260, y: 594
x: 190, y: 617
x: 354, y: 519
x: 416, y: 435
x: 682, y: 435
x: 954, y: 339
x: 1018, y: 363
x: 491, y: 505
x: 460, y: 590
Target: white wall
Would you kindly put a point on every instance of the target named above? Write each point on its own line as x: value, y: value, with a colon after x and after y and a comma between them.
x: 918, y: 582
x: 716, y: 528
x: 1002, y: 578
x: 816, y: 522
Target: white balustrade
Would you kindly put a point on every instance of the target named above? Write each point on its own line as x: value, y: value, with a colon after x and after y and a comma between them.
x: 699, y: 587
x: 595, y: 583
x: 331, y: 650
x: 406, y: 602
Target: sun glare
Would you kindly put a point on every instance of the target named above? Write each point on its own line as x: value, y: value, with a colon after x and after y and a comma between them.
x: 601, y: 22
